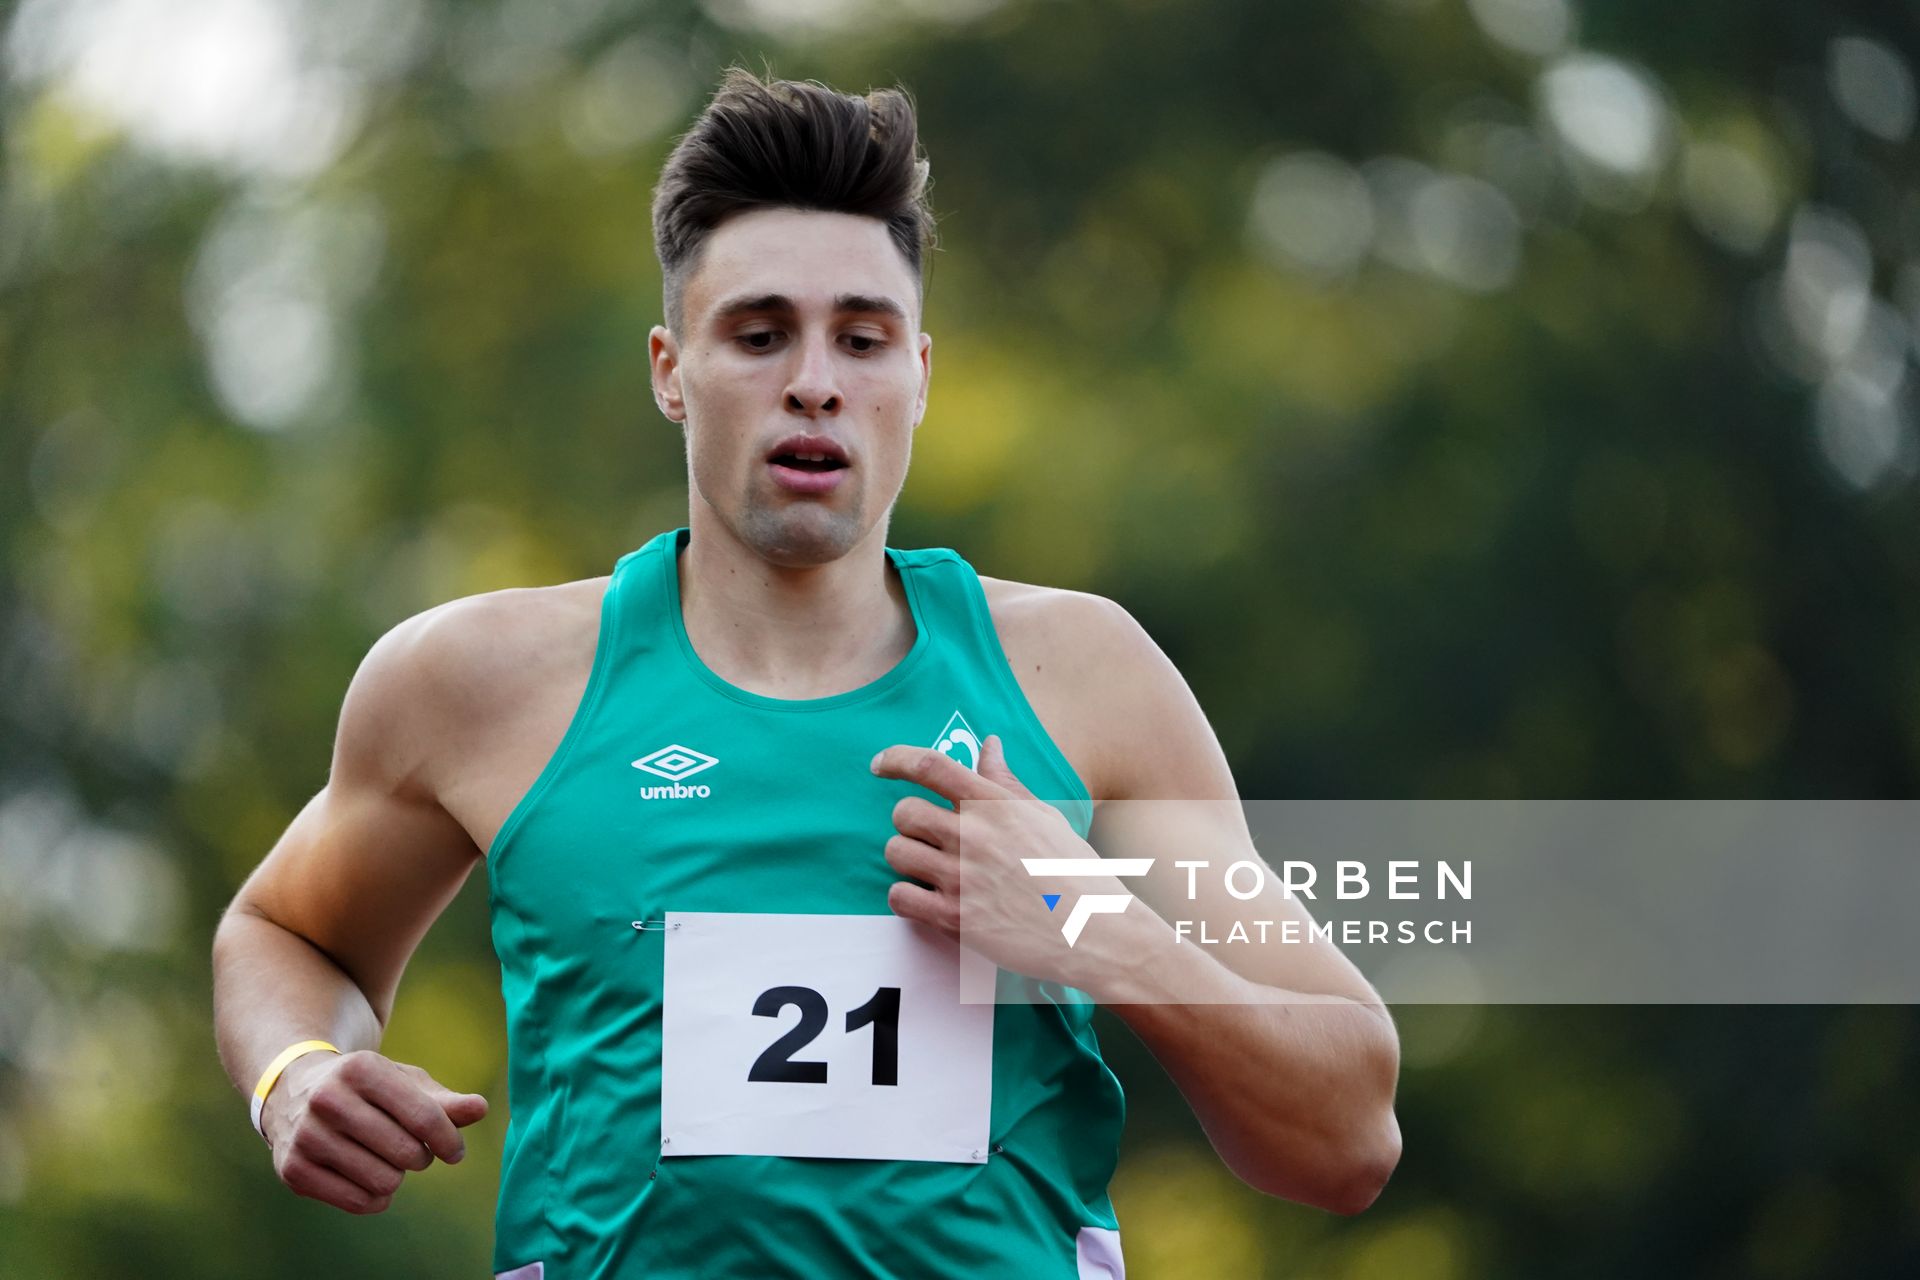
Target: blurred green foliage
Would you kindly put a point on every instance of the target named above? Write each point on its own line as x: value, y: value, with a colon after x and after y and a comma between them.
x: 1475, y: 399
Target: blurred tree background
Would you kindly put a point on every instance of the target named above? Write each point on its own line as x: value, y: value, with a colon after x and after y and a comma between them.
x: 1474, y: 397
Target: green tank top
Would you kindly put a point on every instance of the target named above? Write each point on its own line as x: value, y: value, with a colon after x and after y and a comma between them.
x: 787, y: 818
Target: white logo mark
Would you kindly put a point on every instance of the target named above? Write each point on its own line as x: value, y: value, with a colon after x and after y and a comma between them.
x: 959, y: 742
x: 675, y: 763
x: 1087, y: 905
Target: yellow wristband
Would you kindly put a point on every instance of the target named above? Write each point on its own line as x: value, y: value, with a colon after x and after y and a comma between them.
x: 271, y: 1076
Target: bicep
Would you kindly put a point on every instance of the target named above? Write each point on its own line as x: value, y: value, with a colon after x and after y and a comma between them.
x: 373, y: 859
x: 1171, y: 797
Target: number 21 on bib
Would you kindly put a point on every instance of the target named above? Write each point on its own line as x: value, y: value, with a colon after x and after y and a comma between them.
x: 822, y: 1035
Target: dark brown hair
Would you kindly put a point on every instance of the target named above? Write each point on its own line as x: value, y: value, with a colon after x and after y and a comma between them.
x: 770, y: 143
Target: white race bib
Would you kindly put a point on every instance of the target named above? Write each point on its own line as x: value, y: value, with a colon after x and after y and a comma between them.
x: 822, y: 1035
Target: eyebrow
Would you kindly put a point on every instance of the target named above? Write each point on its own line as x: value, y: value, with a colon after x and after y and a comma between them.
x: 858, y: 303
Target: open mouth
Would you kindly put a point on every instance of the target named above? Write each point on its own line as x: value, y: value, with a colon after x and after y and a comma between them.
x: 808, y: 461
x: 808, y: 465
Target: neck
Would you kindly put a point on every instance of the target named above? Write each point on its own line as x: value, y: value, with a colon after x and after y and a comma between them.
x: 792, y: 632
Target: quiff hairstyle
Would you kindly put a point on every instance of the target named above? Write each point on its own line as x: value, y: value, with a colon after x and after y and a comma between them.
x: 795, y: 144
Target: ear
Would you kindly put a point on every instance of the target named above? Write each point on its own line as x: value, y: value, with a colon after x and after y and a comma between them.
x: 663, y: 359
x: 926, y: 377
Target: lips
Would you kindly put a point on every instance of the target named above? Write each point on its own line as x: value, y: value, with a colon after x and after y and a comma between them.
x: 808, y: 464
x: 809, y: 453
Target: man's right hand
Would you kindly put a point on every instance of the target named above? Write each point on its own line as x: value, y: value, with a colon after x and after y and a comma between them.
x: 346, y: 1128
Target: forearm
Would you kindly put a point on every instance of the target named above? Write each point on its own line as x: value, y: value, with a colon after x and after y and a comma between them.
x: 271, y: 988
x: 1294, y: 1089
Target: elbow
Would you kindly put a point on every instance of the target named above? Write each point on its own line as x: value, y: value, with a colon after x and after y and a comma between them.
x: 1356, y: 1151
x: 1373, y: 1151
x: 1367, y: 1172
x: 1351, y: 1179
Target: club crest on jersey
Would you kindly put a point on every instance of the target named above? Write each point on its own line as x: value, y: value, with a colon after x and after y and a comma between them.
x: 676, y: 764
x: 959, y: 742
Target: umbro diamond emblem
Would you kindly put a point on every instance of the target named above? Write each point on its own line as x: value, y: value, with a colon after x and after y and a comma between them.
x: 676, y: 764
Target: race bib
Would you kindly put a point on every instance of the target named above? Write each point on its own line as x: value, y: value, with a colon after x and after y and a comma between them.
x: 822, y: 1035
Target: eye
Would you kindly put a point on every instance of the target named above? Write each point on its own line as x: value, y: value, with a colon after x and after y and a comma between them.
x: 753, y: 341
x: 864, y: 344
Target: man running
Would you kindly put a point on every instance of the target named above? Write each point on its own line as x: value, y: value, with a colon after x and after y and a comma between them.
x: 720, y: 794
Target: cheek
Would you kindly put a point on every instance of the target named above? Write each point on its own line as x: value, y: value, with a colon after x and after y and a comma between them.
x: 717, y: 457
x: 903, y: 398
x: 714, y: 418
x: 894, y: 399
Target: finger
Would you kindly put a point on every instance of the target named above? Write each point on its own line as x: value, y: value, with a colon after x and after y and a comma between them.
x: 349, y: 1114
x: 409, y: 1103
x: 926, y: 821
x: 922, y: 861
x: 938, y: 773
x: 307, y: 1177
x: 372, y: 1173
x: 993, y: 765
x: 461, y: 1108
x: 910, y: 902
x: 464, y: 1108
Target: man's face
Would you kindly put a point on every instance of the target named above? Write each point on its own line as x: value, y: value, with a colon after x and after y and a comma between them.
x: 800, y: 336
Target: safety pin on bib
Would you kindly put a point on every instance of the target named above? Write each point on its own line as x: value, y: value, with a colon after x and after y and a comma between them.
x: 656, y: 924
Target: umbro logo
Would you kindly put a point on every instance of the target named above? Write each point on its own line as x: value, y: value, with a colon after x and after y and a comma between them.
x: 676, y: 764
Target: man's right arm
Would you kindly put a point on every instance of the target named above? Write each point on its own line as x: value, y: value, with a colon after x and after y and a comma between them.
x: 314, y: 943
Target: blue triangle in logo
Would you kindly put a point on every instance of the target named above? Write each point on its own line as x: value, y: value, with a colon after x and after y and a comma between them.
x: 1051, y: 899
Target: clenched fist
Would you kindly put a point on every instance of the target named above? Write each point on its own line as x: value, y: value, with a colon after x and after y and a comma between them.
x: 346, y: 1128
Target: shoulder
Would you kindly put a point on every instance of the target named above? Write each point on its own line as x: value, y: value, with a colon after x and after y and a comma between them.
x: 1095, y: 676
x: 1075, y: 630
x: 436, y: 679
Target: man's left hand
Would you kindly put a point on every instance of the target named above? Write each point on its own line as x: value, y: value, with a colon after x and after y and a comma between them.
x: 995, y: 822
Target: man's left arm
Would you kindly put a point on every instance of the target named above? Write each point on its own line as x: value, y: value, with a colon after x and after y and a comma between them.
x: 1283, y: 1049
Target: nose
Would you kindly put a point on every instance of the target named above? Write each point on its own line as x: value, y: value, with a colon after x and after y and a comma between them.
x: 812, y: 389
